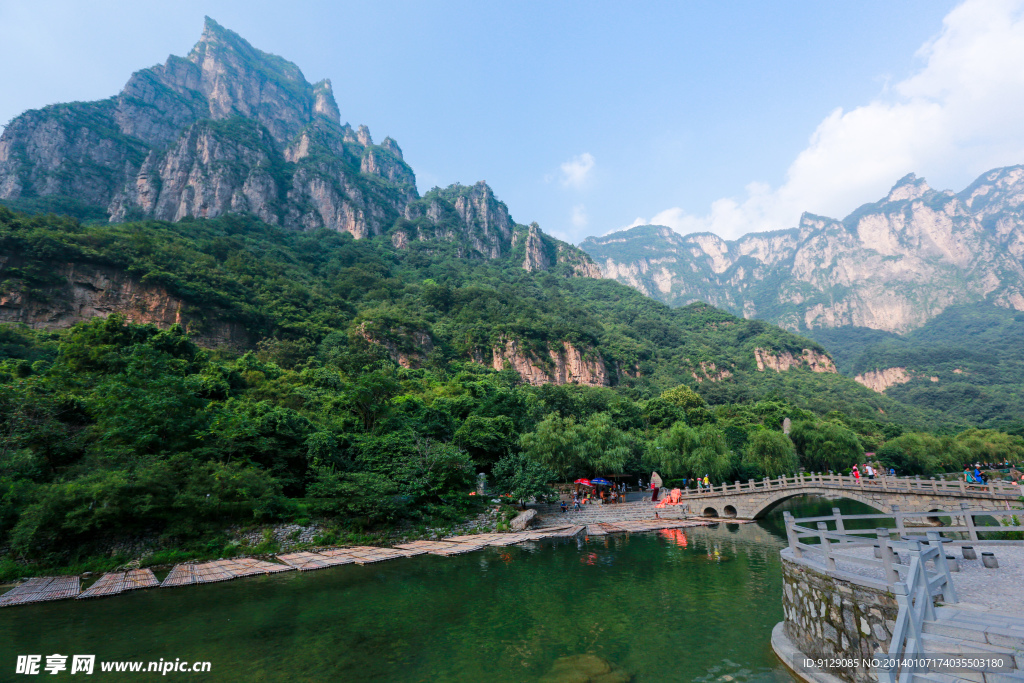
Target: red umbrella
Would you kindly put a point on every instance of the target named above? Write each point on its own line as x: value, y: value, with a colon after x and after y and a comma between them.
x: 585, y: 482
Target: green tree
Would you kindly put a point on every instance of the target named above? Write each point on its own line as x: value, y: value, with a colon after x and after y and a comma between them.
x: 769, y: 454
x: 522, y: 478
x: 684, y: 397
x: 825, y: 445
x: 691, y: 452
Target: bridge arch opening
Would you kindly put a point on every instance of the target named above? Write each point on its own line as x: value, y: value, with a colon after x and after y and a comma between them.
x: 729, y: 512
x: 826, y: 499
x: 710, y: 512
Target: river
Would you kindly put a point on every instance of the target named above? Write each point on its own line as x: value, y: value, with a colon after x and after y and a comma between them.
x: 682, y: 605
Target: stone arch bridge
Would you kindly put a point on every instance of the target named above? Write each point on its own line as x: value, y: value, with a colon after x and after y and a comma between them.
x: 751, y: 500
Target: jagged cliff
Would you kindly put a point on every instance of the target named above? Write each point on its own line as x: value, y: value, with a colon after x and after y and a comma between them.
x: 82, y: 291
x: 229, y: 128
x: 892, y: 265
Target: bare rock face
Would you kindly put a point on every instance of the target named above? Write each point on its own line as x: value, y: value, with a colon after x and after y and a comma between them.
x: 892, y: 265
x: 710, y: 372
x: 880, y: 380
x: 90, y: 291
x: 408, y: 348
x: 780, y: 362
x: 565, y: 364
x: 480, y: 225
x: 536, y: 258
x: 227, y: 128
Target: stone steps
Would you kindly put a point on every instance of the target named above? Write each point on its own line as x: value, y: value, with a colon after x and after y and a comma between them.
x: 959, y: 631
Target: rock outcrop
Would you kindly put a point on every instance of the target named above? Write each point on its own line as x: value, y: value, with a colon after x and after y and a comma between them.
x: 892, y: 265
x: 408, y: 348
x: 564, y: 364
x: 87, y: 291
x: 880, y: 380
x: 710, y: 372
x: 782, y: 361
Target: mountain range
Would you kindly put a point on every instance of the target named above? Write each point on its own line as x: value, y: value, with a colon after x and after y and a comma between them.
x: 892, y: 265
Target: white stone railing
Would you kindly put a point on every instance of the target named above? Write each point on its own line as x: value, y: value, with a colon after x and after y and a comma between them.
x: 886, y: 484
x: 912, y: 583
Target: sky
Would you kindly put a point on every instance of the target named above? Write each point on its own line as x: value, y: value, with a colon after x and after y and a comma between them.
x: 588, y: 117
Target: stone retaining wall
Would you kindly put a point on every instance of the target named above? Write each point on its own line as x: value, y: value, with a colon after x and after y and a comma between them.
x: 830, y: 617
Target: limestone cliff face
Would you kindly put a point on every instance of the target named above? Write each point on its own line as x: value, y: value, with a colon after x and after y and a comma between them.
x: 88, y: 291
x: 892, y: 265
x: 408, y: 348
x: 229, y: 128
x: 780, y: 362
x: 479, y: 225
x: 880, y: 380
x: 566, y: 364
x: 707, y: 371
x: 226, y: 128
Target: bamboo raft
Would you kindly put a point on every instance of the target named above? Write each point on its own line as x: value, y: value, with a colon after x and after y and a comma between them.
x: 113, y: 583
x: 457, y: 549
x: 306, y: 562
x: 371, y: 554
x: 426, y: 546
x: 220, y: 570
x: 42, y: 589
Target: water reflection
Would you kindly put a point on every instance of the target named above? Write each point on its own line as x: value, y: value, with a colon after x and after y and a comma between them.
x: 679, y: 605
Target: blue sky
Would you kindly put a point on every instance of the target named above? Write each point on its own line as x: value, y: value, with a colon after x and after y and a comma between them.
x: 590, y: 116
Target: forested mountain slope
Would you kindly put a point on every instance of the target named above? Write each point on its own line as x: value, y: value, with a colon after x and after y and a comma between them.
x: 968, y: 361
x: 380, y: 380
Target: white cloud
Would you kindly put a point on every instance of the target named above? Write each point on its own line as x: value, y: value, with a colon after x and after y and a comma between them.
x: 576, y: 171
x: 579, y: 216
x: 954, y: 118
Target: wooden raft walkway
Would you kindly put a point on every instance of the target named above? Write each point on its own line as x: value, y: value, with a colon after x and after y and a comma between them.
x: 42, y: 589
x: 113, y: 583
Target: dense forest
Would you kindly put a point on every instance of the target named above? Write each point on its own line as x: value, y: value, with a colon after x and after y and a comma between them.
x: 361, y: 398
x: 967, y: 362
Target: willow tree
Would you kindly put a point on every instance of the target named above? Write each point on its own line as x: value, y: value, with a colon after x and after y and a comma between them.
x: 691, y: 451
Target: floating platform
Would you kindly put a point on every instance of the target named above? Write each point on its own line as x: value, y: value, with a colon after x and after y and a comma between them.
x: 220, y: 570
x: 113, y: 583
x: 42, y: 589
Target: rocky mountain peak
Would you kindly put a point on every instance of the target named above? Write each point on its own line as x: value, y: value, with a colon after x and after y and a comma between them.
x: 363, y: 136
x: 392, y: 146
x: 908, y: 188
x: 325, y: 104
x: 229, y: 128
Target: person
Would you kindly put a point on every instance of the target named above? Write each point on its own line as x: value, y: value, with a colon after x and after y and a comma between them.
x: 707, y: 483
x: 855, y: 472
x: 870, y: 470
x: 576, y: 502
x: 892, y: 471
x: 615, y: 496
x: 654, y: 493
x: 978, y: 475
x: 565, y: 507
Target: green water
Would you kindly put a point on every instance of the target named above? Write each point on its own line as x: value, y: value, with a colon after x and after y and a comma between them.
x: 688, y: 605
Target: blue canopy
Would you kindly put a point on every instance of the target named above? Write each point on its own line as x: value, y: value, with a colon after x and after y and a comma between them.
x: 601, y: 482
